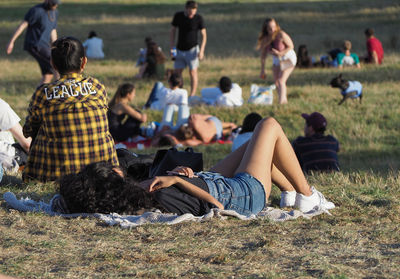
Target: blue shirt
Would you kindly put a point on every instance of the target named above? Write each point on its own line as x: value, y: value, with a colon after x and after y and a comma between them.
x: 40, y: 24
x: 318, y: 153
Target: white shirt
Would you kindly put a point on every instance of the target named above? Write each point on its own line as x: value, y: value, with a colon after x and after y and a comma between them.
x: 94, y: 48
x: 8, y: 119
x: 166, y: 96
x: 214, y: 96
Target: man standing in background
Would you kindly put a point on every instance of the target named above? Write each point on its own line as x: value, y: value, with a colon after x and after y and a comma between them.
x: 41, y: 21
x: 188, y: 53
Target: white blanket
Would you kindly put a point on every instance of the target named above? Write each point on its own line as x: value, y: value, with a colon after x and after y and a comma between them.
x: 129, y: 221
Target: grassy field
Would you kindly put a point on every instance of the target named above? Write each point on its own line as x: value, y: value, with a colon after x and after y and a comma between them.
x: 359, y: 240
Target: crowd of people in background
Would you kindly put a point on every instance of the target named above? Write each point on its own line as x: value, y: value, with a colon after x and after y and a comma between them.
x: 71, y: 125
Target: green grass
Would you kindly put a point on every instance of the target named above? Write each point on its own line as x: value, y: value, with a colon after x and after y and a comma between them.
x: 359, y: 240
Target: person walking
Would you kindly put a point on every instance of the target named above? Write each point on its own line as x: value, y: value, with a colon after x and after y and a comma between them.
x: 188, y: 52
x: 275, y: 41
x: 41, y: 23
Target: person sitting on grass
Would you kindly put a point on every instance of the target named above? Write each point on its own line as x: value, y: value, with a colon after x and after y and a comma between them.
x: 10, y: 129
x: 315, y: 151
x: 347, y: 58
x: 67, y: 119
x: 241, y: 182
x: 375, y: 51
x: 94, y: 46
x: 160, y: 96
x: 153, y: 66
x: 227, y: 94
x: 124, y: 120
x: 246, y: 130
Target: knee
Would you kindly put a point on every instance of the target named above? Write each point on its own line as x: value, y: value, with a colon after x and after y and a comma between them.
x: 279, y: 83
x: 269, y: 123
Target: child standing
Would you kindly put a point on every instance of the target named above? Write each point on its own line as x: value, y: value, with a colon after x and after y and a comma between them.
x: 67, y: 119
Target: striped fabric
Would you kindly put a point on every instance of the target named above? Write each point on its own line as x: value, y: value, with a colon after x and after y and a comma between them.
x: 68, y: 121
x: 317, y: 153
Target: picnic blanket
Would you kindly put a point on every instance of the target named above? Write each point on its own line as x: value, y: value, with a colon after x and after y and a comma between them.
x: 155, y: 217
x: 141, y: 143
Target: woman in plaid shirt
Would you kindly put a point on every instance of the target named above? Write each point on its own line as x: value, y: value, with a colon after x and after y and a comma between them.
x: 67, y: 119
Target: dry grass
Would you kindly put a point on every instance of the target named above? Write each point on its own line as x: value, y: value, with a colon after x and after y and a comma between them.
x: 360, y: 239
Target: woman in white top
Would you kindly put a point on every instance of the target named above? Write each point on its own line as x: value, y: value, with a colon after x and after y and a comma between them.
x: 10, y: 129
x: 94, y: 46
x: 275, y: 41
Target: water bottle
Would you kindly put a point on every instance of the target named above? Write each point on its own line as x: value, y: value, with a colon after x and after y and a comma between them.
x: 173, y: 53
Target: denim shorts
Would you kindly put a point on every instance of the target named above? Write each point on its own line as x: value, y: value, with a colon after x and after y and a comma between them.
x: 187, y: 58
x: 243, y: 193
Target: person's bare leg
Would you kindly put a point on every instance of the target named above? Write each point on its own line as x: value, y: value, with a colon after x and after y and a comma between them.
x: 281, y: 85
x: 230, y: 163
x: 193, y: 81
x: 280, y: 180
x: 228, y: 166
x: 269, y: 145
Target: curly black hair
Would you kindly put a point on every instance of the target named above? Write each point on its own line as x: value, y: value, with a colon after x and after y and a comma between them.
x: 98, y: 188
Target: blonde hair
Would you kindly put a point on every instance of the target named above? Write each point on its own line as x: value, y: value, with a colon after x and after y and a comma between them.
x: 347, y: 45
x: 261, y: 41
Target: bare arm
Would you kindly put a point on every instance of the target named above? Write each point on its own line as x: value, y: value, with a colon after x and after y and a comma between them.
x: 134, y: 113
x: 17, y: 33
x: 203, y: 43
x: 53, y: 35
x: 160, y: 182
x: 375, y: 59
x: 287, y: 41
x: 17, y: 133
x: 172, y: 38
x: 264, y: 54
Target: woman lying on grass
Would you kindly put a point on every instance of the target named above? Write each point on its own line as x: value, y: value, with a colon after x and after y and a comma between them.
x: 199, y: 129
x: 240, y: 182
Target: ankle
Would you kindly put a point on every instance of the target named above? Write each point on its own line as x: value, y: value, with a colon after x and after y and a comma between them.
x: 306, y: 192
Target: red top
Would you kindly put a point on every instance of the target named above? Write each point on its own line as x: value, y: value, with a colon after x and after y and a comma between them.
x: 373, y: 44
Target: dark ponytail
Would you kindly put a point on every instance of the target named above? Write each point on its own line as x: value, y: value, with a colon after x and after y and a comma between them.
x: 67, y: 54
x: 122, y: 91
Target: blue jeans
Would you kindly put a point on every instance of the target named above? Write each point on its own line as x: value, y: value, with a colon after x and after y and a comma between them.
x: 158, y: 86
x: 168, y: 117
x: 243, y: 193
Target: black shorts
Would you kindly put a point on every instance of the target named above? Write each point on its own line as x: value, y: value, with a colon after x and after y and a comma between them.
x: 42, y: 56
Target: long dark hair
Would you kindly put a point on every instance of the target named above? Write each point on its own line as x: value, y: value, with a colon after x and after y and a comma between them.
x: 67, y: 54
x: 99, y: 188
x: 154, y: 50
x: 122, y: 91
x: 250, y: 122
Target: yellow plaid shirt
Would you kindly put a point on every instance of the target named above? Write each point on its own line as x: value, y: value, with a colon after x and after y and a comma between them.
x: 68, y: 121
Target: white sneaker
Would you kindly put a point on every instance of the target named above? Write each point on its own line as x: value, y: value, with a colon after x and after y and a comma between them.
x: 288, y: 198
x: 315, y: 201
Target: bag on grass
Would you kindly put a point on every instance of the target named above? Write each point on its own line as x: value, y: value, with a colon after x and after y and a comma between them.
x: 168, y: 159
x: 261, y: 95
